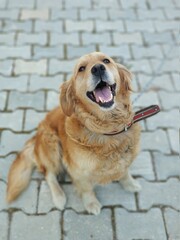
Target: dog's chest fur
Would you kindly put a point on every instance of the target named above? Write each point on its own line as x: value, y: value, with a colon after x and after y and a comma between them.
x: 108, y: 160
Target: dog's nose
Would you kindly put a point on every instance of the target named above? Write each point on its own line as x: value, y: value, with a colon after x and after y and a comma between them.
x: 98, y: 69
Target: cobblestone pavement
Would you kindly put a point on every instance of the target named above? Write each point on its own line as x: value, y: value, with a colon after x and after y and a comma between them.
x: 40, y: 41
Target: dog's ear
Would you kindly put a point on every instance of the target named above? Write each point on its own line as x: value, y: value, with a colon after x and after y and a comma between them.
x: 67, y: 100
x: 125, y: 78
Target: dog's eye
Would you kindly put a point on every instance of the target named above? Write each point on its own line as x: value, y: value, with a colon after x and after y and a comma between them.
x: 106, y: 60
x: 81, y: 69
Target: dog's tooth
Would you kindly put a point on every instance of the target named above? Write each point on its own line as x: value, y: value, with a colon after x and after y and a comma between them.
x: 101, y: 100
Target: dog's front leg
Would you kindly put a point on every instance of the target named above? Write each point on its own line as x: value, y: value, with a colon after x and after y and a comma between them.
x: 85, y: 190
x: 129, y: 183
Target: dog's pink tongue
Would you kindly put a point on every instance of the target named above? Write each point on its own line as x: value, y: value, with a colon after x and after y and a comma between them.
x: 104, y: 94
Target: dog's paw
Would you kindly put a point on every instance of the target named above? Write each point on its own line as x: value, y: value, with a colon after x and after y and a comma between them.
x: 93, y: 207
x: 59, y: 201
x: 132, y: 186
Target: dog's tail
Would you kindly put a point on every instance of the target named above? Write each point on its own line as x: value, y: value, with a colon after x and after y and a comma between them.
x: 21, y: 171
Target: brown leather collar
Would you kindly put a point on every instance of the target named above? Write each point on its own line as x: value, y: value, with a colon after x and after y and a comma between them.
x: 139, y: 115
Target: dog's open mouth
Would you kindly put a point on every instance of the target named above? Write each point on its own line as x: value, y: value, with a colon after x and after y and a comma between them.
x: 103, y: 94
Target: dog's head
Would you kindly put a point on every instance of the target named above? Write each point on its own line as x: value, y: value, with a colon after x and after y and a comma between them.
x: 98, y: 83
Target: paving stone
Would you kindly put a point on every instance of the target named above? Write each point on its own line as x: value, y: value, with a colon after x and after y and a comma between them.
x: 150, y: 14
x: 73, y: 200
x: 161, y: 26
x: 141, y: 65
x: 134, y: 38
x: 156, y: 141
x: 46, y: 227
x: 3, y: 96
x: 21, y: 4
x: 56, y: 66
x: 160, y: 4
x: 14, y: 83
x: 172, y: 13
x: 15, y: 141
x: 176, y: 36
x: 174, y: 139
x: 2, y: 3
x: 37, y: 175
x: 177, y: 3
x: 33, y: 119
x: 74, y: 26
x: 12, y: 120
x: 49, y: 4
x: 121, y: 52
x: 4, y: 225
x: 86, y: 14
x: 167, y: 67
x: 45, y: 203
x: 77, y: 4
x: 26, y: 100
x: 169, y: 51
x: 133, y: 4
x: 36, y: 67
x: 5, y: 163
x: 172, y: 219
x: 7, y: 38
x: 46, y: 83
x: 52, y: 100
x: 55, y: 26
x: 27, y: 201
x: 147, y: 52
x: 135, y: 86
x: 159, y: 193
x: 33, y: 38
x: 64, y: 14
x: 76, y: 52
x: 10, y: 26
x: 34, y: 14
x: 112, y: 194
x: 138, y: 225
x: 146, y: 99
x: 154, y: 38
x: 64, y: 38
x: 169, y: 100
x: 92, y: 38
x: 9, y: 14
x: 105, y: 4
x: 109, y: 26
x: 159, y: 82
x: 88, y: 226
x: 136, y: 26
x: 142, y: 166
x: 176, y: 81
x: 15, y: 52
x: 6, y: 67
x: 48, y: 52
x: 166, y: 166
x: 169, y: 120
x: 116, y: 14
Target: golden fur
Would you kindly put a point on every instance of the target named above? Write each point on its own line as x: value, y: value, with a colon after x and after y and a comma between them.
x: 72, y: 137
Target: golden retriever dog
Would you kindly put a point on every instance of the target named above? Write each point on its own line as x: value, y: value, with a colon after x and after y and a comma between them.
x: 83, y: 135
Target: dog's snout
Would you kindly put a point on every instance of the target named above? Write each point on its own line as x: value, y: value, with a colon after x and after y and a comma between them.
x: 98, y: 69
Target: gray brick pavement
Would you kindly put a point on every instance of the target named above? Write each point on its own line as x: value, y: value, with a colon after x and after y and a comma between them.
x: 172, y: 217
x: 40, y: 223
x: 94, y: 227
x: 140, y: 224
x: 39, y: 43
x: 155, y: 193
